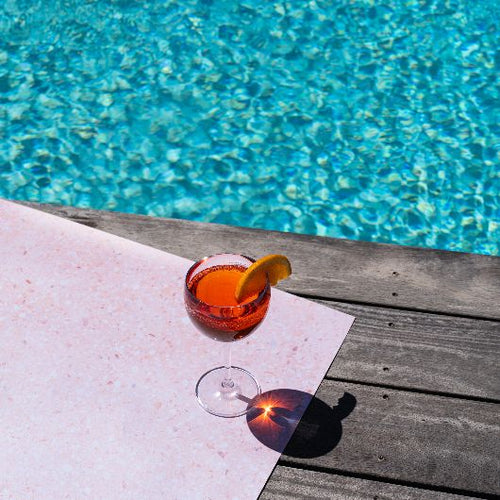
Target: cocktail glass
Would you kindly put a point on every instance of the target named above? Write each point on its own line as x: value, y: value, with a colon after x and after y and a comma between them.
x: 210, y: 283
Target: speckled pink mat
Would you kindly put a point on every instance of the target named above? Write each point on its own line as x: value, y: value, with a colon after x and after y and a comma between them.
x: 98, y: 364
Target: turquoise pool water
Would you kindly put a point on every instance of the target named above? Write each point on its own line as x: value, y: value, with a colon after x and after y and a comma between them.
x: 372, y: 120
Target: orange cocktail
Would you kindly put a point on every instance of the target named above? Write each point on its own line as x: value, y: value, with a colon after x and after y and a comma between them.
x: 227, y: 297
x: 213, y: 308
x: 210, y: 299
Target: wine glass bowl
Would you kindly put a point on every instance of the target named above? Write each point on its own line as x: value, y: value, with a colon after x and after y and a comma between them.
x: 212, y: 307
x: 228, y: 321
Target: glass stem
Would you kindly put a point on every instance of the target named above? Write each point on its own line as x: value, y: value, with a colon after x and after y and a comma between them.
x: 228, y: 383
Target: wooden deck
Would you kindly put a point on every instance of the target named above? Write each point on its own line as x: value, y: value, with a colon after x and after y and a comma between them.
x: 422, y: 359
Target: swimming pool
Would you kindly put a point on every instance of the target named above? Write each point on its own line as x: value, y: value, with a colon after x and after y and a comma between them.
x: 371, y: 120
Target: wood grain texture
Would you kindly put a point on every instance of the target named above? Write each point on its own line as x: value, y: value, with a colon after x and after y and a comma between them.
x: 405, y: 277
x: 428, y: 352
x: 291, y: 484
x: 448, y: 443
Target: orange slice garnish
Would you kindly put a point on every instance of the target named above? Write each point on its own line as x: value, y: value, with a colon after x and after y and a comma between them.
x: 271, y: 267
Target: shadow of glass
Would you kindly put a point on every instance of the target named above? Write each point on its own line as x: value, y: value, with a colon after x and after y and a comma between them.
x: 296, y: 423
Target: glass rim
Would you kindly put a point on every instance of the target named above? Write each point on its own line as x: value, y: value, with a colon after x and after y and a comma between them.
x: 198, y: 263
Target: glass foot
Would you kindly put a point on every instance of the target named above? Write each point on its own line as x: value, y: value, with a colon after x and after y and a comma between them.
x: 225, y: 398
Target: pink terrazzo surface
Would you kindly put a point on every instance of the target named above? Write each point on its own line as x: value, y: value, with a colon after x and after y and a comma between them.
x: 99, y: 361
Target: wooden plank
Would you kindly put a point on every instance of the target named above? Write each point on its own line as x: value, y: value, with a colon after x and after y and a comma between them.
x: 405, y: 277
x: 446, y: 443
x: 295, y: 484
x: 428, y: 352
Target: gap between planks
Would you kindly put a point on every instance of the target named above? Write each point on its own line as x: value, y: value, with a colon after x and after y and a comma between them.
x: 390, y: 307
x: 414, y: 390
x: 375, y: 480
